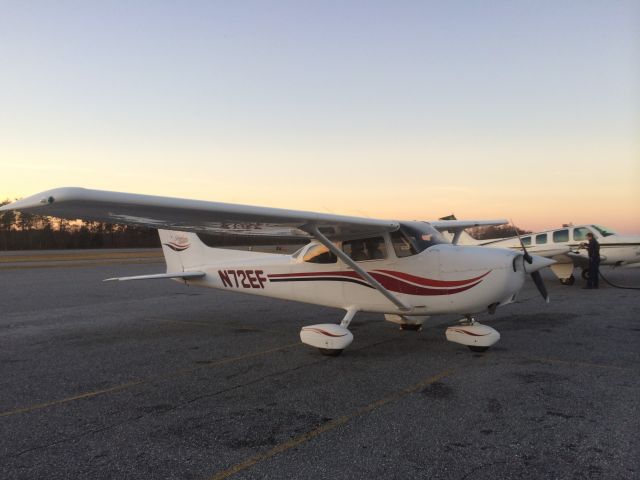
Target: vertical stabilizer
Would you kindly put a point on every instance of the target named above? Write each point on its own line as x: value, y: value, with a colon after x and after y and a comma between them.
x: 463, y: 239
x: 466, y: 239
x: 182, y: 250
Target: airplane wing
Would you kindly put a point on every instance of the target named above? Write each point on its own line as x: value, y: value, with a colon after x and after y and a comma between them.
x: 582, y: 259
x: 193, y: 215
x: 549, y: 252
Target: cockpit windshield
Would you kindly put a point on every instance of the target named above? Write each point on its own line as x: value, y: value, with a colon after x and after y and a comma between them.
x: 604, y: 231
x: 421, y: 235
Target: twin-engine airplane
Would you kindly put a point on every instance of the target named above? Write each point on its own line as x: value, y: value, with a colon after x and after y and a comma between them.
x: 404, y: 270
x: 566, y: 246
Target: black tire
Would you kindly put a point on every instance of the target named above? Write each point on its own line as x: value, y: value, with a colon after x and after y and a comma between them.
x: 585, y: 274
x: 330, y: 352
x: 568, y: 281
x: 413, y: 327
x: 475, y: 348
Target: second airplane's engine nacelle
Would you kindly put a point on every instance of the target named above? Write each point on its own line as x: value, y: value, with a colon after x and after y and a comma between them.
x: 474, y: 335
x: 326, y: 336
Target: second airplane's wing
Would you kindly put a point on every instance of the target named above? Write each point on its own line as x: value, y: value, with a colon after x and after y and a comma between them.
x: 193, y: 215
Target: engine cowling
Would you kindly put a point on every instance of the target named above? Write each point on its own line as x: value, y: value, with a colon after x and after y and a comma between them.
x: 328, y: 336
x: 475, y: 335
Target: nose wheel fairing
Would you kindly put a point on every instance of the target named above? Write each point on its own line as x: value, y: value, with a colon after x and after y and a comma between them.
x: 329, y: 338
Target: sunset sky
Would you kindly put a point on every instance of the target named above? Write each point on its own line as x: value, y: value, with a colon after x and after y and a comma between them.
x: 404, y: 110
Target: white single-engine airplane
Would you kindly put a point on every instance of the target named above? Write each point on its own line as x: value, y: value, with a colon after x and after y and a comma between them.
x: 566, y: 246
x: 401, y: 269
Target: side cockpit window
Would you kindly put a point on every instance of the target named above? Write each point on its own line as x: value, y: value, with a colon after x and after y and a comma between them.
x: 319, y: 254
x: 580, y: 234
x: 401, y: 245
x: 420, y: 235
x: 365, y: 249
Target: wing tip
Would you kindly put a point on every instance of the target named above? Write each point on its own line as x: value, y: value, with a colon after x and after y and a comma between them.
x: 44, y: 198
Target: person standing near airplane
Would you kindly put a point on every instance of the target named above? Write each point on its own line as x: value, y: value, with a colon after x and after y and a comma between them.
x: 593, y: 248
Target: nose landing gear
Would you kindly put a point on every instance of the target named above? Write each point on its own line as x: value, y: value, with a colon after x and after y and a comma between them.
x: 568, y: 281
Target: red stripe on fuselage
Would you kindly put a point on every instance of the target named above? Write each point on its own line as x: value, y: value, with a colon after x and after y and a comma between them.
x: 442, y: 287
x: 430, y: 282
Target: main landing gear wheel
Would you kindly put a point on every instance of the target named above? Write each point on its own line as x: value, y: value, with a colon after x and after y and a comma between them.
x: 474, y: 348
x: 472, y: 334
x: 413, y: 327
x: 585, y: 274
x: 330, y: 352
x: 568, y: 281
x: 329, y: 338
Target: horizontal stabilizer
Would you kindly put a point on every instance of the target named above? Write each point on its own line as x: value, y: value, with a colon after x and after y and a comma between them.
x: 463, y: 224
x: 454, y: 230
x: 183, y: 275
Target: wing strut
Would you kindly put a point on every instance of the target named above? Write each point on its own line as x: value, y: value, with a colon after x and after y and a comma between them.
x: 313, y: 230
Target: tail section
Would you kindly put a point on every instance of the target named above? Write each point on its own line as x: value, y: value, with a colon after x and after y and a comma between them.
x: 466, y: 239
x: 184, y: 251
x: 463, y: 237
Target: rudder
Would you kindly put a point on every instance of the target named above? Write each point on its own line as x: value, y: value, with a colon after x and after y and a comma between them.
x: 182, y: 250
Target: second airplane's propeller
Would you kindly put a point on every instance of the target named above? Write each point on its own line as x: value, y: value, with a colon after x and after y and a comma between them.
x: 535, y: 275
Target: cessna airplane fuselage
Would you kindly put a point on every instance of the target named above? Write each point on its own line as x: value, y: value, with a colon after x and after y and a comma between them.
x: 402, y: 269
x: 440, y: 279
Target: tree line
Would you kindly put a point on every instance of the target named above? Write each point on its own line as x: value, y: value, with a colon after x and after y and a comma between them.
x: 26, y: 231
x: 496, y: 231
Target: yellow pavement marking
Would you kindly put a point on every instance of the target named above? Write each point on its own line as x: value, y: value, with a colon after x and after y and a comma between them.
x: 134, y: 383
x: 573, y: 363
x: 95, y: 393
x: 311, y: 434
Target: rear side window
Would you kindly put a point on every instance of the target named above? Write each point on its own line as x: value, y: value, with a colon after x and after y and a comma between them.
x: 541, y: 239
x: 560, y: 236
x: 366, y: 249
x: 526, y: 241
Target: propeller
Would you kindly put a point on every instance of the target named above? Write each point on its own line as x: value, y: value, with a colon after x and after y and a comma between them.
x: 537, y: 278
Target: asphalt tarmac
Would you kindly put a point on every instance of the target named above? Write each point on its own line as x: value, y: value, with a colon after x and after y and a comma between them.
x: 159, y: 380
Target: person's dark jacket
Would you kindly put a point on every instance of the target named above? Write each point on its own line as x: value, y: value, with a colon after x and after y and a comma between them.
x: 593, y: 247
